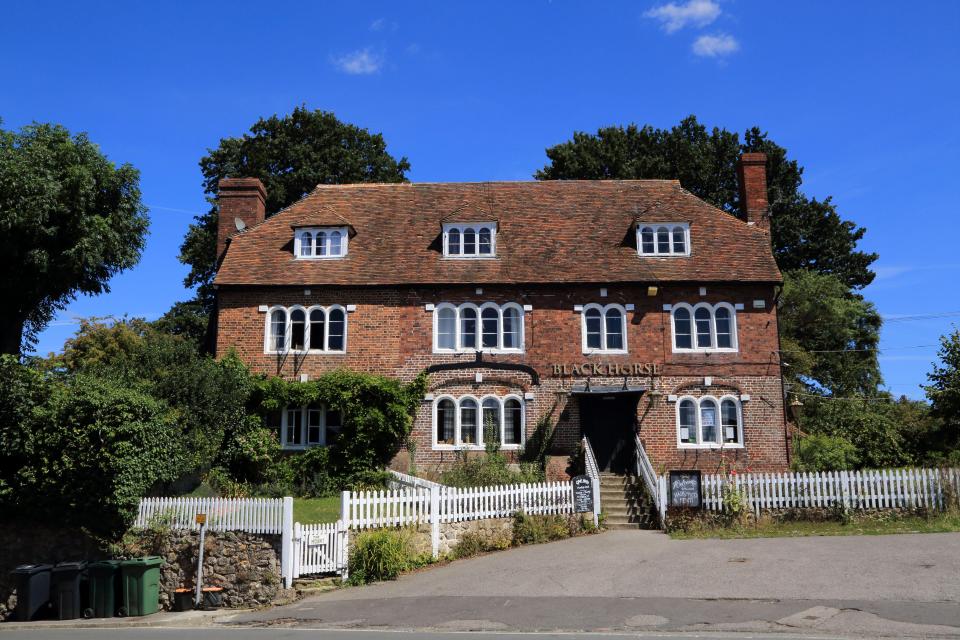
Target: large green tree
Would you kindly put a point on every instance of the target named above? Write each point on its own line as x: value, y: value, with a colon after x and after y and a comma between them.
x: 807, y: 233
x: 829, y: 336
x: 291, y: 155
x: 69, y: 220
x: 944, y: 394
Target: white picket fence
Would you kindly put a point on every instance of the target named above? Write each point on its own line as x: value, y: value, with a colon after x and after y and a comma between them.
x: 866, y: 489
x: 400, y: 480
x: 255, y: 515
x: 398, y: 507
x: 319, y: 548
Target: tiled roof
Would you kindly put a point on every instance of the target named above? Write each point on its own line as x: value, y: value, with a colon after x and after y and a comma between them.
x: 547, y: 232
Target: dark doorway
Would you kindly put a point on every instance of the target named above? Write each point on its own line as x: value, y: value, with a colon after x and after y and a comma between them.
x: 609, y: 421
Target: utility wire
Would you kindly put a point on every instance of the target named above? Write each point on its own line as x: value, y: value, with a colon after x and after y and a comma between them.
x: 877, y: 350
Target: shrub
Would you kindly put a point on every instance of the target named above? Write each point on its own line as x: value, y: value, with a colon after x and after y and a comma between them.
x: 473, y: 543
x: 534, y: 529
x: 89, y: 452
x: 311, y: 473
x: 382, y: 554
x: 490, y: 468
x: 819, y: 452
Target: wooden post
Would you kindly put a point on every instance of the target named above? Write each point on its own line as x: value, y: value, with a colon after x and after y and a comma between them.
x: 435, y: 521
x: 286, y: 543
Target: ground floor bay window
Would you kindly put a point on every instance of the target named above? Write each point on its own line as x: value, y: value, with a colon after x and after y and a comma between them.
x: 311, y: 426
x: 471, y: 423
x: 709, y: 422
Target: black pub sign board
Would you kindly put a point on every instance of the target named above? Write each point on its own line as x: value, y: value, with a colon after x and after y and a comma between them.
x: 685, y: 489
x: 582, y: 494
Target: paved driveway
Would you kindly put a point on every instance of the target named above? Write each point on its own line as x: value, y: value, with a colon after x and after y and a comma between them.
x: 878, y: 585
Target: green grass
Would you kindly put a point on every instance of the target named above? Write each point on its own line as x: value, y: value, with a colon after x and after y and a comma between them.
x: 315, y: 510
x: 866, y: 526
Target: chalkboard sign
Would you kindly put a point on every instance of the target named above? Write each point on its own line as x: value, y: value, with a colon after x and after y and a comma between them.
x: 582, y: 494
x: 685, y: 489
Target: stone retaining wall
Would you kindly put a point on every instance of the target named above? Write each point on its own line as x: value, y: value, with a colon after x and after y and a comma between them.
x: 245, y: 565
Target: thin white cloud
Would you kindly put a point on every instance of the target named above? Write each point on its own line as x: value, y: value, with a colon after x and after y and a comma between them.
x: 360, y: 62
x: 378, y: 24
x: 673, y: 17
x: 715, y: 46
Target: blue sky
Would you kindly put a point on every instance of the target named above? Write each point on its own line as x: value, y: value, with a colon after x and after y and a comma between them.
x: 864, y: 94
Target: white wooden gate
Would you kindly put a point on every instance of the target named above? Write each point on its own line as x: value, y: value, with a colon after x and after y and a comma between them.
x: 319, y: 548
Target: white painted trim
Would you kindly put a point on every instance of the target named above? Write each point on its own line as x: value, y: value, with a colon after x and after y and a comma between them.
x: 527, y: 307
x: 629, y: 307
x: 603, y: 309
x: 301, y: 232
x: 476, y: 226
x: 655, y: 228
x: 667, y: 307
x: 458, y: 328
x: 304, y: 412
x: 429, y: 306
x: 288, y: 329
x: 719, y: 426
x: 759, y: 304
x: 578, y: 308
x: 738, y: 306
x: 263, y: 308
x: 712, y: 308
x: 480, y: 445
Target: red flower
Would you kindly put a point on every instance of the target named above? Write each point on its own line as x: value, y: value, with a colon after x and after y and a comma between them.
x: 733, y: 472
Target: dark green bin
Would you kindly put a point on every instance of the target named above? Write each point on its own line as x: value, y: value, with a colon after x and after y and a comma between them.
x: 140, y: 586
x: 104, y: 584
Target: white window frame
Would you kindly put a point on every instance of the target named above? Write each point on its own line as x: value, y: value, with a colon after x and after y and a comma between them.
x: 313, y: 231
x: 670, y: 226
x: 268, y: 342
x: 695, y: 347
x: 304, y: 427
x: 603, y: 328
x: 458, y: 309
x: 481, y: 445
x: 700, y: 444
x: 476, y: 226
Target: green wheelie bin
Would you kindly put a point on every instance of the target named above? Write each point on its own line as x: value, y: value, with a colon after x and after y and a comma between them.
x: 104, y: 579
x: 65, y: 592
x: 140, y: 579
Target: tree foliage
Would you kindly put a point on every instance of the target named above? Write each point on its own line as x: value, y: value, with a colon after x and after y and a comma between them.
x: 82, y: 450
x: 944, y: 393
x: 829, y: 336
x: 69, y: 221
x: 807, y: 233
x: 291, y: 155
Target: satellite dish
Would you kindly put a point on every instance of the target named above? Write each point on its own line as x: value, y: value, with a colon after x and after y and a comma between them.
x: 239, y: 224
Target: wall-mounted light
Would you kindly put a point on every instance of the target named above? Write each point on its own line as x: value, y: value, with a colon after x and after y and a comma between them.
x: 652, y: 291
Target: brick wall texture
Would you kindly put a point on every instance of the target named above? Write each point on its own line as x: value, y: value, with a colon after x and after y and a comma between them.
x: 390, y: 332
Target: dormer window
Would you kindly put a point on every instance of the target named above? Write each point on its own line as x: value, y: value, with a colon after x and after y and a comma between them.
x: 320, y: 243
x: 663, y: 239
x: 470, y: 240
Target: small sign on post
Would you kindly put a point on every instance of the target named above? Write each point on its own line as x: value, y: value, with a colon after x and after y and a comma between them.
x: 201, y: 519
x: 685, y: 489
x: 582, y: 494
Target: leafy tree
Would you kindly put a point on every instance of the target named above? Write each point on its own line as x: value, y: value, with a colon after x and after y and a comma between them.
x: 818, y: 452
x: 871, y: 425
x: 944, y: 393
x: 69, y: 220
x: 829, y: 336
x: 207, y: 397
x: 291, y: 155
x: 807, y: 233
x: 82, y: 450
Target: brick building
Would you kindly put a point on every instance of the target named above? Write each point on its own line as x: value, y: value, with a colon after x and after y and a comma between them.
x: 605, y: 308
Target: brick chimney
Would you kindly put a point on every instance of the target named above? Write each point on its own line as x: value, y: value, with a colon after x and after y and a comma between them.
x: 752, y: 175
x: 242, y: 199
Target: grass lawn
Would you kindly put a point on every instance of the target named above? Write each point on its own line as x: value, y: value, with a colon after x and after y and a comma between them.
x: 860, y: 527
x: 305, y: 510
x: 314, y: 510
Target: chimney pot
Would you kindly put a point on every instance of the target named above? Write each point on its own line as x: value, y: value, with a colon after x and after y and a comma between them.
x: 752, y: 176
x: 241, y: 199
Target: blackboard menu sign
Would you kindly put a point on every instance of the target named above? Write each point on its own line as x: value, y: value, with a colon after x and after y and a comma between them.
x: 685, y: 489
x: 582, y: 494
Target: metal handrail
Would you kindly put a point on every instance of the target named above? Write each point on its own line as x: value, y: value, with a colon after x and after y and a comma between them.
x: 650, y: 478
x: 592, y: 470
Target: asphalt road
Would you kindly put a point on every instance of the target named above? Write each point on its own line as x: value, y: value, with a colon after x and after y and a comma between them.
x: 905, y: 585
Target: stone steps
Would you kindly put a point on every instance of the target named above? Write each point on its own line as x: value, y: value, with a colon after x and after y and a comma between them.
x: 625, y: 503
